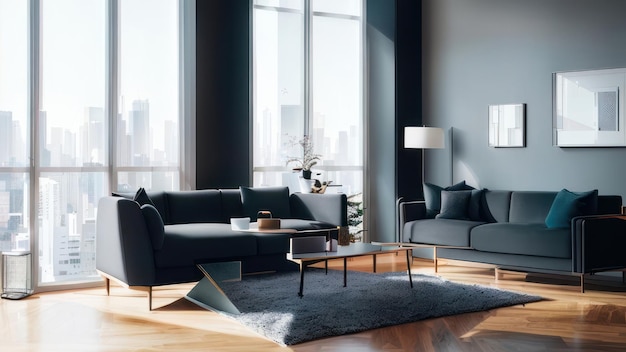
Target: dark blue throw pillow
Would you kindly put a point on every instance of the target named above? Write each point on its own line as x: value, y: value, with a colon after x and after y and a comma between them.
x: 142, y: 197
x: 274, y: 199
x: 432, y: 196
x: 567, y: 205
x: 455, y: 205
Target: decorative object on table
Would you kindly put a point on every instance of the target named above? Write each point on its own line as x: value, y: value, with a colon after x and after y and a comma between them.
x: 16, y: 275
x: 370, y: 301
x: 507, y: 126
x: 587, y: 108
x: 343, y: 236
x: 266, y: 221
x: 320, y: 187
x: 308, y: 159
x: 423, y: 138
x: 237, y: 224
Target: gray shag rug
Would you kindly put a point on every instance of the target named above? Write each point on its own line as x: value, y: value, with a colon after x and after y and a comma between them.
x: 269, y: 303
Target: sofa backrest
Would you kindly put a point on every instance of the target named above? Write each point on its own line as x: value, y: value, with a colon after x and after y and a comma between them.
x: 498, y: 204
x: 186, y: 207
x: 534, y: 206
x: 212, y: 205
x: 530, y: 207
x: 231, y: 204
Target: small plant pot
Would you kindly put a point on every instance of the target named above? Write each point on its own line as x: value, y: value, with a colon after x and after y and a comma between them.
x: 306, y: 174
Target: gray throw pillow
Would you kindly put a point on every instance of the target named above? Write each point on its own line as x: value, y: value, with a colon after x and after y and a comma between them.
x: 455, y: 205
x: 432, y: 196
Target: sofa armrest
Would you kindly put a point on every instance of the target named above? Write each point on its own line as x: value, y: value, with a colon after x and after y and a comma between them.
x: 598, y: 243
x: 408, y: 210
x: 123, y: 245
x: 330, y: 208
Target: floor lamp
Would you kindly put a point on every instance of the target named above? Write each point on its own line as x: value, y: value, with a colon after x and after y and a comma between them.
x: 423, y: 138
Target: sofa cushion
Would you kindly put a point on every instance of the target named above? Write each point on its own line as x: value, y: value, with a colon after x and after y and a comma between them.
x: 274, y: 199
x: 567, y: 205
x: 185, y: 207
x: 432, y: 196
x: 440, y: 231
x: 154, y: 222
x: 524, y: 239
x: 189, y: 244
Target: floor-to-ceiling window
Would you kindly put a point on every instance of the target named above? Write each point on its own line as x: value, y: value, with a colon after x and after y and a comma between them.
x: 308, y: 81
x: 90, y: 95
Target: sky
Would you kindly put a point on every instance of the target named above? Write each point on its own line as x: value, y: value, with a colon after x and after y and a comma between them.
x: 73, y: 58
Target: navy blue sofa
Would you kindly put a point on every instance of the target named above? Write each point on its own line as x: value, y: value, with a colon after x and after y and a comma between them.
x: 161, y: 241
x: 509, y: 230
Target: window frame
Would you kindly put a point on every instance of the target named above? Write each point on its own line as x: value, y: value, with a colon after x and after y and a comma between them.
x: 185, y: 170
x: 308, y: 15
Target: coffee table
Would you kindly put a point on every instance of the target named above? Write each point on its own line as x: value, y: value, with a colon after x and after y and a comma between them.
x: 345, y: 252
x: 423, y: 245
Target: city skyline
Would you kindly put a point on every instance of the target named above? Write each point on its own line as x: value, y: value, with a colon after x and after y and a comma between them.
x: 67, y: 200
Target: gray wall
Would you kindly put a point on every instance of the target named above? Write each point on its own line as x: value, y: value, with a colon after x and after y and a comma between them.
x: 481, y: 52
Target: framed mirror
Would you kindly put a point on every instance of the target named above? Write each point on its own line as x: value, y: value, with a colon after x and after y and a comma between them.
x: 507, y: 126
x: 587, y: 108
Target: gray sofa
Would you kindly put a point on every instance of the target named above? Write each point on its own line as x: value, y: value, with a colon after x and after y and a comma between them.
x: 517, y: 230
x: 157, y: 238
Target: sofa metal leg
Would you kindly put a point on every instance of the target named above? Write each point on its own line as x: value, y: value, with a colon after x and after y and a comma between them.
x: 498, y: 274
x: 582, y: 283
x: 107, y: 284
x: 150, y: 298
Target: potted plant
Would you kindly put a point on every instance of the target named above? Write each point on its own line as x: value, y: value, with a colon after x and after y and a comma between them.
x: 308, y: 159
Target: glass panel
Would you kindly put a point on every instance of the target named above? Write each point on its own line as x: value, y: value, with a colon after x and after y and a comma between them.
x: 67, y: 224
x: 278, y: 89
x: 14, y: 210
x: 72, y: 123
x: 148, y: 129
x: 343, y: 7
x: 150, y: 180
x: 337, y: 108
x: 14, y: 125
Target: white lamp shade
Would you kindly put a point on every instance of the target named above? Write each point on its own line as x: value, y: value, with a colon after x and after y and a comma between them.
x: 423, y: 137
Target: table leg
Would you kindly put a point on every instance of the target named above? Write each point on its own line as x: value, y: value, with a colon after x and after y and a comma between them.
x: 374, y: 262
x: 345, y: 272
x: 408, y: 266
x: 302, y: 267
x: 435, y: 257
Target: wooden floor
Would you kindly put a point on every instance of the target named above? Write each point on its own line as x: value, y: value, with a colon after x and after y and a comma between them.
x: 88, y: 320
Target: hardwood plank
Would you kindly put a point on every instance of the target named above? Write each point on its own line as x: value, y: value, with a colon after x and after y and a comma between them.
x: 89, y: 320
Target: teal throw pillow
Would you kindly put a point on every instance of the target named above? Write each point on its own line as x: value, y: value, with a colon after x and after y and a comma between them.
x: 432, y: 196
x: 567, y: 205
x: 273, y: 199
x: 455, y: 205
